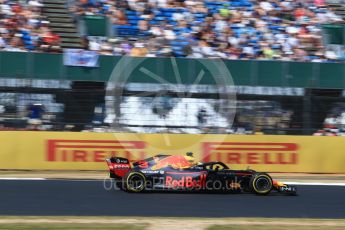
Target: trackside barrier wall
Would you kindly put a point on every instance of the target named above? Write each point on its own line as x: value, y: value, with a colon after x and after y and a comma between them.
x: 87, y: 151
x: 244, y: 72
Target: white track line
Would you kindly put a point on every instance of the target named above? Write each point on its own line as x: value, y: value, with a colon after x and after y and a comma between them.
x: 18, y: 178
x: 314, y: 183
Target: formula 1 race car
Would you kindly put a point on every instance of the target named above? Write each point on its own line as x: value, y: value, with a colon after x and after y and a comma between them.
x: 180, y: 173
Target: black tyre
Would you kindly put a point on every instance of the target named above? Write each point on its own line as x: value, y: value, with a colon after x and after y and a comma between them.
x: 134, y: 182
x: 261, y: 183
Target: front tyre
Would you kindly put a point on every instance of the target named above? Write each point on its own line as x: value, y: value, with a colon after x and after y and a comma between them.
x: 135, y: 182
x: 261, y: 183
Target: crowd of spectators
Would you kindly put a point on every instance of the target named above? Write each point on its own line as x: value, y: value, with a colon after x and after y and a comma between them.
x: 23, y: 28
x: 237, y: 29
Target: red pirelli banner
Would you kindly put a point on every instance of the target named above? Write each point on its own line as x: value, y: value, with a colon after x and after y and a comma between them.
x: 87, y: 151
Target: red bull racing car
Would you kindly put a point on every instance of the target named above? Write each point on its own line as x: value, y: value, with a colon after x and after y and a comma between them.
x: 180, y: 173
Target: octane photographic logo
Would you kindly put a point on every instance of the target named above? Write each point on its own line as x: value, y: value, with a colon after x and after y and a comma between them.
x: 167, y: 95
x: 185, y: 183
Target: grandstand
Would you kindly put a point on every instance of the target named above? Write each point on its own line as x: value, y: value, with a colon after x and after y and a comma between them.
x: 287, y: 30
x: 237, y: 29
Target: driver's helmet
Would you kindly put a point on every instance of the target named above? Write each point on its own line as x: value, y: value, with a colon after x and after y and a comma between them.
x: 189, y: 154
x: 190, y: 158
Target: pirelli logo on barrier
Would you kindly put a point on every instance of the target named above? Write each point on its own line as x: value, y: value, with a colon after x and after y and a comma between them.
x: 87, y: 150
x: 265, y: 153
x: 251, y: 152
x: 93, y: 150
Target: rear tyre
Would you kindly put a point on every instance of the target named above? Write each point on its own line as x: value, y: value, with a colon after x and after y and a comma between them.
x: 135, y: 182
x: 261, y: 183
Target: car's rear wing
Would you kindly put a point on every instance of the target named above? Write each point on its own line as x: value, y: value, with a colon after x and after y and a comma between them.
x: 118, y: 167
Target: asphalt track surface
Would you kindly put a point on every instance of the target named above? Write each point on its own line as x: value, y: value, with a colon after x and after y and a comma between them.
x: 89, y: 198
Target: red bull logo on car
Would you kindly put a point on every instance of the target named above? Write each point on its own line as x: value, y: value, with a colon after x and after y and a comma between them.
x: 186, y: 181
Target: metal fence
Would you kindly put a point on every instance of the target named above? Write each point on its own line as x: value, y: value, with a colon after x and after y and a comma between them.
x: 91, y: 108
x: 38, y: 92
